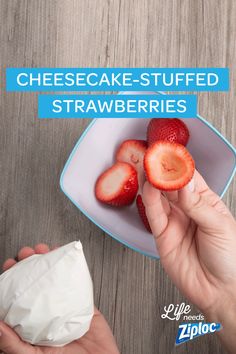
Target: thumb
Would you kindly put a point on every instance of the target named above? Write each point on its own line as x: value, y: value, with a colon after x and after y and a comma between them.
x: 195, y: 205
x: 10, y: 343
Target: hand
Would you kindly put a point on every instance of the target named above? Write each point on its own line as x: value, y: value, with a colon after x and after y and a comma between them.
x: 98, y: 339
x: 196, y: 238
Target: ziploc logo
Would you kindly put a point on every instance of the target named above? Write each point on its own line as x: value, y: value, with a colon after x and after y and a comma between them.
x: 189, y: 331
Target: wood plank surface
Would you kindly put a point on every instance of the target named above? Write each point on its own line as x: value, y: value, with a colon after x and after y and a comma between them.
x: 130, y: 289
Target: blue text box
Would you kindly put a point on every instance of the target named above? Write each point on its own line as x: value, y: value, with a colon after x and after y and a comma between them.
x: 117, y: 106
x: 117, y: 79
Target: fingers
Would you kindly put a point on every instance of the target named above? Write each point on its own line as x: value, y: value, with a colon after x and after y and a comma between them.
x: 41, y: 248
x: 25, y: 252
x: 201, y: 204
x: 10, y: 262
x: 197, y: 183
x: 172, y: 196
x: 209, y: 196
x: 156, y: 214
x: 195, y: 205
x: 10, y: 343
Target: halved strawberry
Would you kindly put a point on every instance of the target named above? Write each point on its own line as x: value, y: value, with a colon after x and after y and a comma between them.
x: 142, y: 212
x: 132, y: 152
x: 173, y: 130
x: 168, y: 166
x: 118, y: 185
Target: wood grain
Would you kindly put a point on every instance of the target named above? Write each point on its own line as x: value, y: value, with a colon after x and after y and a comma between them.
x: 130, y: 289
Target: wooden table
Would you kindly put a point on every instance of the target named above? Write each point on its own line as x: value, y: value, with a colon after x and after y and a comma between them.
x: 130, y: 289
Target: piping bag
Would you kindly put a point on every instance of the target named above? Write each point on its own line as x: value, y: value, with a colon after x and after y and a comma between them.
x: 48, y: 299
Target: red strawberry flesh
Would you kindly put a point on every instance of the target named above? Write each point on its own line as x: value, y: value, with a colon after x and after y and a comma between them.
x: 118, y: 185
x: 168, y: 166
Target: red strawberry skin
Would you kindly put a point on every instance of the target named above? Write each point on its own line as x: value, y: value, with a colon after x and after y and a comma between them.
x: 168, y: 166
x: 173, y: 130
x: 142, y: 212
x: 118, y: 185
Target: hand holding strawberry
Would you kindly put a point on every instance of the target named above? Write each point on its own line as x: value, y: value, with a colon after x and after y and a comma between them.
x: 195, y: 237
x: 165, y: 163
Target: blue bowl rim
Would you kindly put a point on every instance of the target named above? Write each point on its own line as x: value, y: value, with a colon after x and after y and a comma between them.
x: 103, y: 228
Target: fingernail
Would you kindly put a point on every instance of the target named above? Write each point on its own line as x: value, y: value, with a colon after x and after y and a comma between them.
x: 191, y: 185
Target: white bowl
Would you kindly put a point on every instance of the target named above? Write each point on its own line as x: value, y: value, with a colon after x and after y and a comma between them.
x: 94, y: 152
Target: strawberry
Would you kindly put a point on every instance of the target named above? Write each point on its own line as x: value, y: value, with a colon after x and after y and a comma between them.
x: 132, y: 152
x: 118, y: 185
x: 173, y: 130
x: 168, y: 166
x: 142, y: 212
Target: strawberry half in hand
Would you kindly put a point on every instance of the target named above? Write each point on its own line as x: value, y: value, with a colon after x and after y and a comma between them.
x: 168, y: 166
x: 118, y: 185
x: 173, y: 130
x: 132, y: 152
